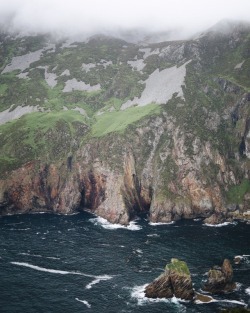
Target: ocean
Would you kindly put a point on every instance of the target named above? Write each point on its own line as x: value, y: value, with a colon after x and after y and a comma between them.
x: 81, y: 263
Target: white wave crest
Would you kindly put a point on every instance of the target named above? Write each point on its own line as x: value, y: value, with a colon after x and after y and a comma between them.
x: 153, y: 235
x: 139, y: 294
x: 19, y: 229
x: 96, y: 280
x: 219, y: 301
x: 160, y: 223
x: 84, y: 302
x: 247, y: 290
x: 38, y: 256
x: 233, y: 301
x: 221, y: 224
x: 100, y: 221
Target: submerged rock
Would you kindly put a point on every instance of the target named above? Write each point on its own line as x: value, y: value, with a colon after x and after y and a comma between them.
x: 220, y: 279
x: 175, y: 281
x: 201, y: 298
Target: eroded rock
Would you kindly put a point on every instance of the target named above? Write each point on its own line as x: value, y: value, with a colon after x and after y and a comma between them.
x: 220, y: 279
x: 175, y: 281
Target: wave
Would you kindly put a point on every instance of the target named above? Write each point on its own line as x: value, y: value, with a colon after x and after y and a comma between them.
x: 221, y: 224
x: 39, y: 256
x: 19, y: 229
x: 243, y: 258
x: 138, y: 294
x: 100, y: 221
x: 233, y: 301
x: 160, y: 223
x: 96, y: 280
x: 84, y: 302
x: 247, y: 290
x: 219, y: 301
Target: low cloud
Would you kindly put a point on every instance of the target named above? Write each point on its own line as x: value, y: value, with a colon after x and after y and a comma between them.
x: 75, y: 17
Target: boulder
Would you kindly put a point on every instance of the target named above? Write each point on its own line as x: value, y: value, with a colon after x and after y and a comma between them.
x: 220, y: 279
x: 175, y: 281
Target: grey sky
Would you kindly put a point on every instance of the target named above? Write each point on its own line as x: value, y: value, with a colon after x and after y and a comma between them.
x: 94, y: 16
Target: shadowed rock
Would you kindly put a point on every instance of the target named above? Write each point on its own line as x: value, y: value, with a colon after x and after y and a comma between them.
x: 220, y: 279
x: 176, y: 281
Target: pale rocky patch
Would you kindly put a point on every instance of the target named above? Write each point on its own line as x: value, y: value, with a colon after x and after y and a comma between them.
x: 73, y: 84
x: 19, y: 111
x: 147, y: 52
x: 65, y: 73
x: 160, y: 87
x: 137, y: 64
x: 80, y: 110
x: 23, y: 75
x: 88, y: 67
x: 51, y: 78
x: 23, y: 62
x: 239, y: 66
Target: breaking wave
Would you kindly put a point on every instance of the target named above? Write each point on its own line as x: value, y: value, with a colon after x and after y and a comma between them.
x: 100, y: 221
x: 84, y: 302
x: 96, y: 280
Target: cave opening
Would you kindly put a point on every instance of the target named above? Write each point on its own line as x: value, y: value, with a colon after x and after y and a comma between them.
x: 242, y: 147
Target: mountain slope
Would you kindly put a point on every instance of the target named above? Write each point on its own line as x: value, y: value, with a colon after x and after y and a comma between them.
x: 120, y: 128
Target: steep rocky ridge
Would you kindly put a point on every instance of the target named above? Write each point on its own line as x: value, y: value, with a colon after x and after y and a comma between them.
x: 184, y: 158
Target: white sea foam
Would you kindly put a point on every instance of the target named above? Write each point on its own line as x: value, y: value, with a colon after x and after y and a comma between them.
x: 224, y: 301
x: 139, y: 251
x: 233, y: 301
x: 19, y: 229
x: 84, y: 302
x: 96, y: 280
x: 34, y: 255
x: 247, y: 290
x: 107, y: 225
x: 139, y: 294
x: 160, y: 223
x: 243, y: 259
x: 39, y: 256
x: 221, y: 224
x: 153, y: 235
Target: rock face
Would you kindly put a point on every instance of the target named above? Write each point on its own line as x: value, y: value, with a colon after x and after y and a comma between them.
x: 176, y: 281
x: 184, y: 158
x: 220, y: 279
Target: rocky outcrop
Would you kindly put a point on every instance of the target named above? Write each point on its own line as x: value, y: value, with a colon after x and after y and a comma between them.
x: 175, y: 281
x: 220, y: 279
x: 111, y: 194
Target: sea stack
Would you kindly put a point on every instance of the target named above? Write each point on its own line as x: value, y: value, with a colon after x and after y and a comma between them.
x: 175, y: 281
x: 220, y: 279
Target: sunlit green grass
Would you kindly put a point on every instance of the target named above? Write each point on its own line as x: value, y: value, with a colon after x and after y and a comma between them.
x: 118, y: 121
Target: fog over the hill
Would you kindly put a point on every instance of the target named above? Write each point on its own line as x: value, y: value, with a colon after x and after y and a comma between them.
x: 115, y: 17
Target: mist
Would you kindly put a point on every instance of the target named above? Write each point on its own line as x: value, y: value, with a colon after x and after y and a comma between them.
x: 177, y: 18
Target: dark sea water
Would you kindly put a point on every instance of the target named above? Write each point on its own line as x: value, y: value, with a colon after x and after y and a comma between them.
x: 78, y: 263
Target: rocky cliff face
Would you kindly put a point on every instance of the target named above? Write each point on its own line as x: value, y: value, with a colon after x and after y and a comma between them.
x: 105, y: 151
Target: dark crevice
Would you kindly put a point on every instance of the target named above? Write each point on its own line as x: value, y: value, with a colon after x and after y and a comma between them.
x: 242, y: 147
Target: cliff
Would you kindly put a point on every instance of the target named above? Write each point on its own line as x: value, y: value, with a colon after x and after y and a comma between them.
x: 121, y: 129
